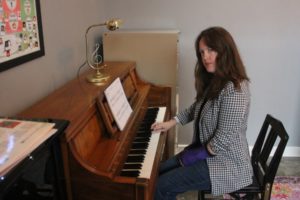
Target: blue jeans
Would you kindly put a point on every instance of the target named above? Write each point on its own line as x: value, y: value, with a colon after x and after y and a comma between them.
x: 174, y: 179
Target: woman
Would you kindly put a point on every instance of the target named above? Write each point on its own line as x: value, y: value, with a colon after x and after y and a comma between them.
x: 218, y: 158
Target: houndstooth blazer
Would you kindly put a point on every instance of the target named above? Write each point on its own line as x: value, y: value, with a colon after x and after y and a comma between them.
x: 223, y: 124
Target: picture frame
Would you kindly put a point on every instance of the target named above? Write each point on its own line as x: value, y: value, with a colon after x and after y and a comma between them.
x: 21, y: 32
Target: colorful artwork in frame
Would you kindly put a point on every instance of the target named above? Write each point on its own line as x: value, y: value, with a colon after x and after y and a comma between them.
x: 21, y: 35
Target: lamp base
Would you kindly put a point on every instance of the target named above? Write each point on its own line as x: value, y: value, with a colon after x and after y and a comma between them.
x: 97, y: 78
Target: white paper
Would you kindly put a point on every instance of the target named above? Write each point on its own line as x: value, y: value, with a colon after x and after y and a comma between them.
x: 118, y: 103
x: 19, y: 138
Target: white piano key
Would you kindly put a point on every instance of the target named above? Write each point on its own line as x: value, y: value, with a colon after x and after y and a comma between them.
x: 146, y: 169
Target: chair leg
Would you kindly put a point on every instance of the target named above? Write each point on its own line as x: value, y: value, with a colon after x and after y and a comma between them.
x: 200, y: 195
x: 252, y: 197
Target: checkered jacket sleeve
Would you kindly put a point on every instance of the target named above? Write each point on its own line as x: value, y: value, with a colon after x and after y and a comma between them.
x: 187, y: 115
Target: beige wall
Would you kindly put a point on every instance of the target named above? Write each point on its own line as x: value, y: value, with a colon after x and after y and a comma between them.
x: 64, y: 24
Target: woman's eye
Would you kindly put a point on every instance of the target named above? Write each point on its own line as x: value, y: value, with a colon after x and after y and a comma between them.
x: 207, y: 50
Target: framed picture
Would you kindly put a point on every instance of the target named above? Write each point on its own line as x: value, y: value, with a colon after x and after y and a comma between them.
x: 21, y: 35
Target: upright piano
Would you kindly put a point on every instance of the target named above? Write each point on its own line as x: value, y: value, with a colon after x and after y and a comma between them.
x: 100, y: 161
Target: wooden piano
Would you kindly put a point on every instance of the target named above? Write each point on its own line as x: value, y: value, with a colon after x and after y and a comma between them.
x: 101, y: 162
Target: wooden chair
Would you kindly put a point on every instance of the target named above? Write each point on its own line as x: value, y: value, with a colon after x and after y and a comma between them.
x: 272, y: 135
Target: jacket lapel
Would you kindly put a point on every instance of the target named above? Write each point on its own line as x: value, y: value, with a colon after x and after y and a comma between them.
x: 205, y: 108
x: 198, y: 118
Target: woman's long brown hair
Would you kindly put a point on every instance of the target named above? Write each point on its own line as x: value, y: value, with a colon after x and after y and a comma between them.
x: 229, y: 65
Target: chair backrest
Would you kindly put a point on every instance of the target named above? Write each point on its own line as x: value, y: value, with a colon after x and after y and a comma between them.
x: 271, y: 136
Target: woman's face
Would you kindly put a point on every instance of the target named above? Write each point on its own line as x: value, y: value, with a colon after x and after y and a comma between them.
x: 208, y: 56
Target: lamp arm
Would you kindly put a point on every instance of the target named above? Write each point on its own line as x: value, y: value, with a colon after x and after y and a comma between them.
x: 94, y: 25
x: 86, y: 42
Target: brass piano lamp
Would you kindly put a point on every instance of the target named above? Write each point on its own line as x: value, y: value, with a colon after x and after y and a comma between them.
x: 99, y: 78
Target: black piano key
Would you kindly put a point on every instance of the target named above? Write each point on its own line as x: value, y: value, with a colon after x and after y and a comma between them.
x: 137, y: 151
x: 143, y: 131
x: 145, y: 127
x: 149, y: 119
x: 152, y: 110
x: 130, y: 173
x: 144, y: 134
x: 141, y: 139
x: 132, y: 166
x: 139, y: 145
x: 135, y: 159
x: 140, y: 142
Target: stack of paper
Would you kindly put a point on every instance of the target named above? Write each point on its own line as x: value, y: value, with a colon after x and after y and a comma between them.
x: 18, y: 138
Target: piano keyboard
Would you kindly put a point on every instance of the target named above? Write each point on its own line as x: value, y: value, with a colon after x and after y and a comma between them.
x: 141, y: 156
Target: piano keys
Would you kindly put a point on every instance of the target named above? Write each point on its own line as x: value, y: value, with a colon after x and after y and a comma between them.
x: 97, y: 156
x: 141, y: 155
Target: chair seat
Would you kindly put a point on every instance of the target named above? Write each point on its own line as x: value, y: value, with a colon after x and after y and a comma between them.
x: 253, y: 188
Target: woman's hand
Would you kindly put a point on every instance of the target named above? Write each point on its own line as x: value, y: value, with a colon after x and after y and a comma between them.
x: 163, y: 126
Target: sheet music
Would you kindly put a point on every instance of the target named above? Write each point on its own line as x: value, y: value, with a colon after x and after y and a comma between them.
x: 118, y: 103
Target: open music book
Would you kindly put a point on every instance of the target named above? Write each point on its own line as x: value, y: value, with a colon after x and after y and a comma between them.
x: 118, y: 103
x: 18, y: 138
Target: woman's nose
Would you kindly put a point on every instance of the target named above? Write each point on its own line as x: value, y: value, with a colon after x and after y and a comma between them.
x: 205, y: 55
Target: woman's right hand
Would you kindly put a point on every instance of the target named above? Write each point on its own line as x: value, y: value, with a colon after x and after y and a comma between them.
x: 163, y: 126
